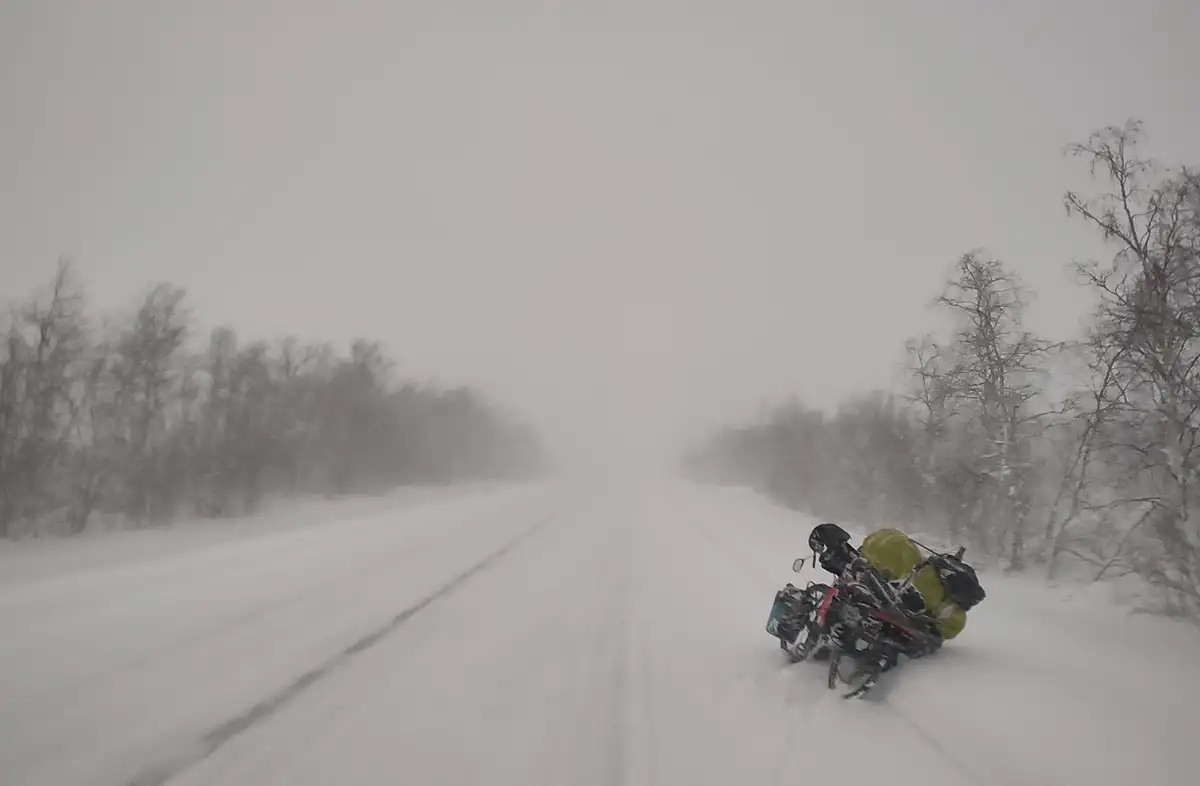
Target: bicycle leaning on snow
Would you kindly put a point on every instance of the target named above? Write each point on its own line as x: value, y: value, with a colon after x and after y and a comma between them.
x: 860, y: 616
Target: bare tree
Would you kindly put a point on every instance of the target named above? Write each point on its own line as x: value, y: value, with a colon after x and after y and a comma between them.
x: 1147, y: 331
x: 46, y: 340
x: 146, y: 371
x: 935, y: 397
x: 997, y: 365
x: 1079, y: 467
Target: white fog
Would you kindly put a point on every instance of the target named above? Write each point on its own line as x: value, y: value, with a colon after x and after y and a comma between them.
x: 440, y: 393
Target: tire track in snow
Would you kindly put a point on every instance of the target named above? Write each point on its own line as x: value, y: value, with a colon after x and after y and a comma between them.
x: 219, y: 735
x: 642, y: 726
x: 975, y: 773
x: 796, y: 720
x: 744, y: 566
x: 598, y: 682
x: 618, y: 623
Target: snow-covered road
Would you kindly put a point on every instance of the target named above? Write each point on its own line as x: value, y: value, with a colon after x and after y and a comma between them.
x: 543, y: 635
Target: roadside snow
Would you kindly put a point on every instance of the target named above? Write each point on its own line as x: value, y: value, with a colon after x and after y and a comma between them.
x: 30, y: 558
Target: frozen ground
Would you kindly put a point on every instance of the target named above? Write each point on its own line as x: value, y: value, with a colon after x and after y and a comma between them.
x: 542, y: 635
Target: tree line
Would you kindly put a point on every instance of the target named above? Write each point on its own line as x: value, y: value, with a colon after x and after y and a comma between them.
x: 1038, y: 454
x: 141, y: 418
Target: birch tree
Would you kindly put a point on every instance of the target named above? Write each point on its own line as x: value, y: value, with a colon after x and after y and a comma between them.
x: 1147, y: 331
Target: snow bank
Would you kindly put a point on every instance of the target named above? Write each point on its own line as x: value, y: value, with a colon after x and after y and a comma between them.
x: 28, y: 558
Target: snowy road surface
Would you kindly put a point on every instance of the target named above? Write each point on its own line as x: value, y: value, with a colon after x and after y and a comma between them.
x: 541, y: 635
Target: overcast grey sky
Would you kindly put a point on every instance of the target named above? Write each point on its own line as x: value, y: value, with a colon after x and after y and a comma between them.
x: 620, y: 216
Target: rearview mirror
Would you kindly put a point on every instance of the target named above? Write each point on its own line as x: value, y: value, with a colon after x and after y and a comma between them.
x: 798, y: 564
